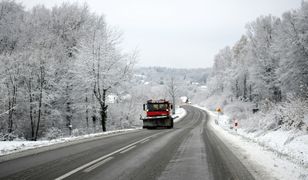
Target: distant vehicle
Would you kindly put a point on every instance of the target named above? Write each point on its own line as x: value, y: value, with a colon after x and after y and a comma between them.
x: 185, y: 100
x: 158, y: 114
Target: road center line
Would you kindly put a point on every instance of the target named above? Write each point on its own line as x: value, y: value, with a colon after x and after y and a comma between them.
x: 144, y: 141
x: 101, y: 158
x: 97, y: 164
x: 124, y: 151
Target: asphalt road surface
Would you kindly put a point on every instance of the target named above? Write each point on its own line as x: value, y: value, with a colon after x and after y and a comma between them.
x: 188, y: 151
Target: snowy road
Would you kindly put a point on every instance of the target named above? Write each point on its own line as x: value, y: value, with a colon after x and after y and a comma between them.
x: 189, y: 151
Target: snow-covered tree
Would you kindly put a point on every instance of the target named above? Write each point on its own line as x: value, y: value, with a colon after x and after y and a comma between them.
x: 106, y: 67
x: 267, y: 66
x: 293, y: 47
x: 173, y: 92
x: 262, y: 34
x: 57, y: 66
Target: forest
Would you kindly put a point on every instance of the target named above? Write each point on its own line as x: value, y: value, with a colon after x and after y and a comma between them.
x: 57, y: 68
x: 265, y: 70
x: 63, y: 72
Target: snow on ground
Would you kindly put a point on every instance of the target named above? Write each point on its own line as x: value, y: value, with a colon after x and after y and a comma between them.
x: 268, y: 155
x: 179, y: 114
x: 8, y: 147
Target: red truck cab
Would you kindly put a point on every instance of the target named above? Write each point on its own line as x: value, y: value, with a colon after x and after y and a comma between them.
x: 158, y: 114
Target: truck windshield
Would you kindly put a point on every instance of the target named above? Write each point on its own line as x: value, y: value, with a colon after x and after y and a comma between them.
x: 157, y: 107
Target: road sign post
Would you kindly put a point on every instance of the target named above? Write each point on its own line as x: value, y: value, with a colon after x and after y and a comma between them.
x: 235, y: 124
x: 218, y: 110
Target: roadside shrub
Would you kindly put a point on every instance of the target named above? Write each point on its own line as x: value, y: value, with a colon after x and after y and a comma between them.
x: 53, y: 133
x: 8, y: 136
x: 291, y: 114
x: 79, y: 132
x: 288, y: 115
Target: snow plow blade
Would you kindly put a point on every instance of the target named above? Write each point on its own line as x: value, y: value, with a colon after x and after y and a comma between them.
x: 157, y: 121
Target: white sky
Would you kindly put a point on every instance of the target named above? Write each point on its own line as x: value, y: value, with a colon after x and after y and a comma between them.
x: 179, y: 33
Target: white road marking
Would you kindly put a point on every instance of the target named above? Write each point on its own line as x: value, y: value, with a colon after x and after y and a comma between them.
x: 144, y: 141
x: 97, y: 164
x: 101, y: 158
x: 124, y: 151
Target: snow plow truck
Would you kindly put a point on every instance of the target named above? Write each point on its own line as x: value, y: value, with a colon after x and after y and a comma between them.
x: 158, y: 114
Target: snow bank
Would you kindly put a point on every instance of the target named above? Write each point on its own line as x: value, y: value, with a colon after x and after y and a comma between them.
x: 8, y: 147
x: 179, y: 114
x: 267, y: 154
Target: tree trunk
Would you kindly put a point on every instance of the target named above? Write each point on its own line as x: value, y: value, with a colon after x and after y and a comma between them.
x: 40, y: 102
x: 10, y: 117
x: 31, y: 108
x: 245, y: 87
x: 103, y: 111
x: 68, y: 111
x: 11, y: 103
x: 173, y: 101
x: 87, y: 113
x: 93, y: 114
x: 236, y: 89
x: 103, y: 107
x: 172, y: 89
x: 68, y: 118
x: 250, y: 93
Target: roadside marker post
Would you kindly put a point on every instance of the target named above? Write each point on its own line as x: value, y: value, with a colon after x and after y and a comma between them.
x: 217, y: 117
x: 218, y: 110
x: 235, y: 124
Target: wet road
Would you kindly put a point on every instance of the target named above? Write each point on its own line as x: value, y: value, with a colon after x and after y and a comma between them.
x: 189, y: 151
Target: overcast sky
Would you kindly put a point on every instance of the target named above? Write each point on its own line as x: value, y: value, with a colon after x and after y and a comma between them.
x: 179, y: 33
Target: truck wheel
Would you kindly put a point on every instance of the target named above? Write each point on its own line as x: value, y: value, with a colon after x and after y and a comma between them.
x: 170, y: 127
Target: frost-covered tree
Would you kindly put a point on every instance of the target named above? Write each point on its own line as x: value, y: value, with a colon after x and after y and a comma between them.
x: 268, y: 65
x: 262, y: 34
x: 57, y: 67
x: 239, y: 69
x: 105, y: 65
x: 222, y: 63
x: 11, y: 24
x: 293, y: 47
x: 173, y: 92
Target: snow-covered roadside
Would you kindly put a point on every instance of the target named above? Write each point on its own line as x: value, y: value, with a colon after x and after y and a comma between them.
x: 271, y: 155
x: 9, y: 147
x: 179, y: 114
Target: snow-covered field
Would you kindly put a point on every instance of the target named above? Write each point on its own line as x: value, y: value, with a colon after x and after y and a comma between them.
x: 8, y: 147
x: 267, y: 154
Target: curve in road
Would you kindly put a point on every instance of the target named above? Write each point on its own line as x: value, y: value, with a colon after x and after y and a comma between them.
x: 189, y: 151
